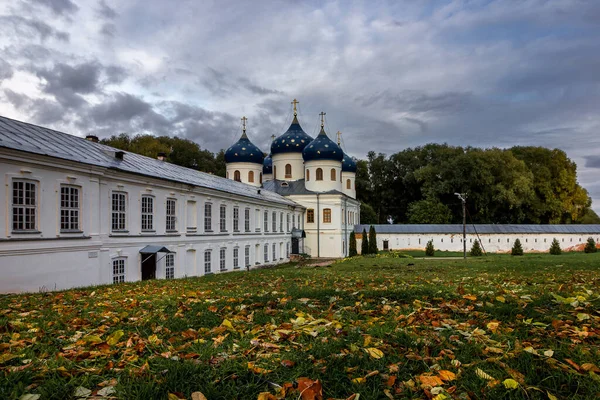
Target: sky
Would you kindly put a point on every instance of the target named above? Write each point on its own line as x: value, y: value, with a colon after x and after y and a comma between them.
x: 389, y: 74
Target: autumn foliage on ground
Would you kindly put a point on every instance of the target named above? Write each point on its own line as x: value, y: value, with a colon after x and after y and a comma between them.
x: 365, y: 328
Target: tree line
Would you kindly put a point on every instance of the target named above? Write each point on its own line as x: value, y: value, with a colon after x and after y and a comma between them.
x: 518, y: 185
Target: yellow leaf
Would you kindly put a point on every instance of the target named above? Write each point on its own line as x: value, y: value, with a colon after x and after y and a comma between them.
x: 429, y: 380
x: 510, y: 384
x: 470, y: 297
x: 582, y: 316
x: 359, y: 380
x: 483, y: 375
x: 93, y: 339
x: 551, y: 396
x: 153, y: 339
x: 501, y: 299
x: 173, y: 397
x: 263, y: 396
x: 447, y: 375
x: 374, y: 352
x: 115, y: 337
x: 493, y: 326
x: 30, y: 397
x: 549, y: 353
x: 440, y: 396
x: 200, y: 396
x: 227, y: 324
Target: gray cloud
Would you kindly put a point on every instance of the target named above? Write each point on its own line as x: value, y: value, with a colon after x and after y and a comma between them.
x: 18, y: 100
x: 108, y: 30
x: 104, y: 10
x: 6, y: 71
x: 222, y: 84
x: 66, y: 83
x: 59, y: 7
x: 21, y: 27
x: 122, y: 107
x: 592, y: 161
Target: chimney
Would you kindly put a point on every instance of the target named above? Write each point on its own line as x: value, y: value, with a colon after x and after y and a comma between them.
x: 92, y: 138
x: 119, y: 155
x: 162, y: 156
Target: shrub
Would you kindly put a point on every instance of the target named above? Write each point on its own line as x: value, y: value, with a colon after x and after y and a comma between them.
x: 373, y: 241
x: 364, y: 248
x: 517, y: 249
x: 476, y: 249
x: 590, y: 246
x: 429, y: 250
x: 555, y: 248
x: 352, y: 251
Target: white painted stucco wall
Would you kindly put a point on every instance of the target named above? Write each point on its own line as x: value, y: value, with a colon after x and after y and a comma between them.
x: 294, y: 159
x: 327, y: 183
x: 245, y: 168
x: 351, y: 176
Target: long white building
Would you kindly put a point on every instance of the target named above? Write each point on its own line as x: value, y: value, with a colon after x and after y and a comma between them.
x: 78, y: 213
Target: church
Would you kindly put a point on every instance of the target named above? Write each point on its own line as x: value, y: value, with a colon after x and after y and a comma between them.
x: 80, y: 213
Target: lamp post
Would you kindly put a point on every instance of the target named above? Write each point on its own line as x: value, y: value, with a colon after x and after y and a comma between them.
x: 463, y: 199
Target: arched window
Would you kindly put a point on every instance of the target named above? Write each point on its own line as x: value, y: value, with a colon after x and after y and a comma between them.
x: 333, y: 174
x: 274, y: 172
x: 326, y: 215
x: 251, y: 176
x: 307, y: 175
x: 260, y: 177
x: 288, y: 171
x: 319, y: 174
x: 237, y: 176
x: 348, y: 184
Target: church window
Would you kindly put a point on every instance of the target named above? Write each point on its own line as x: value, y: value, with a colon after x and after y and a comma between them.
x: 327, y: 215
x: 192, y: 217
x: 274, y: 251
x: 171, y: 218
x: 260, y: 177
x: 236, y: 219
x: 251, y: 176
x: 223, y: 218
x: 287, y: 222
x: 319, y: 174
x: 118, y: 270
x: 227, y: 175
x: 348, y: 184
x: 169, y: 266
x: 208, y: 217
x: 207, y: 262
x: 237, y: 176
x: 147, y: 213
x: 310, y: 216
x: 307, y: 175
x: 280, y: 222
x: 333, y: 177
x: 119, y: 211
x: 274, y: 172
x: 69, y: 208
x: 288, y: 170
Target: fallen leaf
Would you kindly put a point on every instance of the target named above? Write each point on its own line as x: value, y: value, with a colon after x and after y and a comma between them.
x: 359, y: 380
x: 430, y: 380
x: 80, y: 391
x: 262, y: 396
x: 549, y: 353
x: 288, y: 363
x: 106, y: 391
x: 484, y: 375
x: 493, y: 326
x: 447, y: 375
x: 309, y: 389
x: 114, y: 337
x: 510, y: 384
x: 30, y: 397
x: 551, y: 396
x: 470, y: 297
x: 374, y: 352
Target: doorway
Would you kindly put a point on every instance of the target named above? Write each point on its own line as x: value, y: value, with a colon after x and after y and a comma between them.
x: 148, y: 266
x: 295, y: 246
x: 386, y: 245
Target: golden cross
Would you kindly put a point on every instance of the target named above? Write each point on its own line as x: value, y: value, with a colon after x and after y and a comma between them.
x: 294, y: 102
x: 339, y: 137
x: 272, y: 138
x: 244, y: 119
x: 322, y: 119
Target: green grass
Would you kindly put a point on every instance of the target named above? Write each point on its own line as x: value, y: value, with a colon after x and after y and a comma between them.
x: 496, y: 315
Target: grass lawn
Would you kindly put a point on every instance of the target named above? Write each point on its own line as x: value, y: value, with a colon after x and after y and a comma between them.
x: 496, y: 327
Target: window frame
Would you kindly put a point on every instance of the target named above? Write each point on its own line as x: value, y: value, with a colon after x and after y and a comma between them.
x: 118, y: 275
x: 274, y: 221
x: 247, y: 220
x: 247, y: 255
x: 319, y: 174
x: 288, y: 171
x: 171, y: 215
x: 119, y: 212
x: 223, y: 259
x: 33, y: 215
x: 348, y: 184
x: 310, y: 216
x: 170, y: 266
x: 266, y: 220
x: 208, y: 217
x: 327, y: 215
x: 223, y: 218
x: 333, y: 174
x: 149, y: 215
x: 274, y: 251
x: 307, y: 175
x: 251, y: 176
x: 236, y: 258
x: 70, y: 209
x: 207, y: 262
x: 236, y: 219
x: 266, y: 252
x: 237, y: 176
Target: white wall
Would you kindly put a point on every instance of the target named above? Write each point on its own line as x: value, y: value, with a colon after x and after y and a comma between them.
x: 244, y: 169
x: 326, y: 184
x: 352, y: 177
x: 294, y: 159
x: 51, y: 260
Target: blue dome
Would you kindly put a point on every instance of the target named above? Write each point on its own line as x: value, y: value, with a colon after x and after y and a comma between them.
x: 244, y: 151
x: 294, y: 140
x: 348, y: 164
x: 268, y: 165
x: 322, y: 148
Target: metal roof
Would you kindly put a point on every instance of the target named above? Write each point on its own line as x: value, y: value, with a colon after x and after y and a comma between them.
x: 482, y: 229
x: 287, y: 188
x: 152, y: 249
x: 30, y: 138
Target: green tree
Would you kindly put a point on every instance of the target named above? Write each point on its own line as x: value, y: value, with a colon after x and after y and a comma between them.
x: 590, y: 246
x: 476, y: 249
x: 428, y: 212
x: 364, y: 245
x: 352, y: 251
x: 429, y: 249
x: 555, y: 248
x: 589, y: 216
x: 367, y: 214
x: 517, y: 249
x: 372, y: 241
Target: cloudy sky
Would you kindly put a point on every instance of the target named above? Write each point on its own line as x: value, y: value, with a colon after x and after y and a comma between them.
x: 389, y: 75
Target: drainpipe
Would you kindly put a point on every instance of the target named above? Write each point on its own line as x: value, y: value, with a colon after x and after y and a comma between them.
x: 318, y: 228
x: 345, y: 223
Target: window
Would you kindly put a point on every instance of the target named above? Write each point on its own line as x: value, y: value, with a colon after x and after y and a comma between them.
x: 310, y: 216
x: 293, y: 221
x: 247, y: 220
x: 287, y: 250
x: 169, y: 266
x: 327, y: 215
x: 280, y: 222
x: 171, y: 218
x: 118, y: 270
x: 223, y: 218
x: 236, y: 176
x: 266, y: 221
x: 192, y: 219
x: 274, y: 221
x: 247, y: 256
x: 207, y: 262
x: 24, y: 206
x: 274, y: 172
x: 119, y: 204
x: 260, y: 177
x: 319, y: 174
x: 236, y: 259
x: 222, y: 259
x: 274, y: 252
x: 333, y: 176
x: 251, y: 176
x: 307, y: 175
x: 69, y: 208
x: 257, y: 220
x: 236, y: 219
x: 288, y: 170
x: 348, y: 184
x: 208, y: 217
x: 287, y: 222
x: 266, y: 252
x: 147, y: 213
